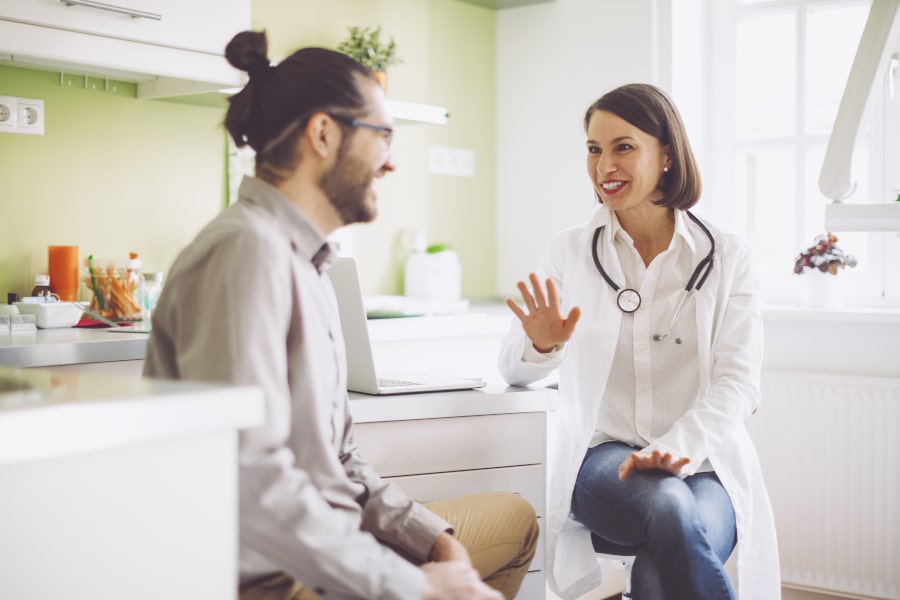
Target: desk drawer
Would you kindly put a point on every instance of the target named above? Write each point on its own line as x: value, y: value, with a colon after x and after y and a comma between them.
x: 528, y: 482
x: 452, y: 444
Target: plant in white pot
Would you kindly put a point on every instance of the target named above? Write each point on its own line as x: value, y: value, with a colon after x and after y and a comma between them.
x: 365, y: 45
x: 825, y: 260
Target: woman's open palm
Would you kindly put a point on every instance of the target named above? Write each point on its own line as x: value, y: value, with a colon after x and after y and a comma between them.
x: 542, y: 321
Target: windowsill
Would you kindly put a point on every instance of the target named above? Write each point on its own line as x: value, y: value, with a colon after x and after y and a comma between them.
x: 788, y: 312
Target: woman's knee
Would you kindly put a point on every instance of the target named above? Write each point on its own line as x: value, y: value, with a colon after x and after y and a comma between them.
x: 672, y: 507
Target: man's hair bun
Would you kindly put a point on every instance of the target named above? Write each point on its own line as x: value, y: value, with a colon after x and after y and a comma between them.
x: 248, y: 51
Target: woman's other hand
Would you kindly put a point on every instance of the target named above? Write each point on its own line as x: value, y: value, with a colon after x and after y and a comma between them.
x: 641, y: 461
x: 542, y: 321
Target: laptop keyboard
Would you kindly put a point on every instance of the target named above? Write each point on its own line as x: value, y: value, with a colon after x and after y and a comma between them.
x: 395, y: 383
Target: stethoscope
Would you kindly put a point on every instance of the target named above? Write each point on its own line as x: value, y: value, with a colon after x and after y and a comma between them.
x: 629, y: 300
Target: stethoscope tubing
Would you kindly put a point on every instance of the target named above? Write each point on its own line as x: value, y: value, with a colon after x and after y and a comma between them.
x: 698, y: 277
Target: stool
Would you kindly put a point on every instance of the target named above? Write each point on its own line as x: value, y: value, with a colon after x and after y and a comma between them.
x: 622, y: 556
x: 625, y: 563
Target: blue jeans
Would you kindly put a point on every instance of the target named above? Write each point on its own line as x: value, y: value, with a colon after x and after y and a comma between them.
x: 681, y: 531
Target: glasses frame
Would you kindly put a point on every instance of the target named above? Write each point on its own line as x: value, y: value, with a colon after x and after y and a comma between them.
x: 366, y: 125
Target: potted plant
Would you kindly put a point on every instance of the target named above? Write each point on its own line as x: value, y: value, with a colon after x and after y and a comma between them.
x: 824, y: 258
x: 366, y: 46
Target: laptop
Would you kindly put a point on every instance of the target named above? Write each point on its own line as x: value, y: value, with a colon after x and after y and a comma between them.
x: 361, y: 376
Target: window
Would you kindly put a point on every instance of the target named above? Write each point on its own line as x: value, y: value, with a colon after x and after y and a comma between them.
x: 790, y: 61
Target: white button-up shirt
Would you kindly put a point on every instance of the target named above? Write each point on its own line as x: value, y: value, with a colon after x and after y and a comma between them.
x: 651, y: 383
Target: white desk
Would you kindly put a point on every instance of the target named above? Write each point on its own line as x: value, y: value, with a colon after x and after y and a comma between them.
x: 446, y: 444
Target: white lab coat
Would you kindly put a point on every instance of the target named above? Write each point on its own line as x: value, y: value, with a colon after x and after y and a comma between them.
x: 729, y: 330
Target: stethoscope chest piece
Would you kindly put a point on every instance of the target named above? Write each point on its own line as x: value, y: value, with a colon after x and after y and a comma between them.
x: 629, y: 300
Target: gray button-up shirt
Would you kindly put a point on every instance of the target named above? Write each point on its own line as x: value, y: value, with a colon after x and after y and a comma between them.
x: 246, y: 303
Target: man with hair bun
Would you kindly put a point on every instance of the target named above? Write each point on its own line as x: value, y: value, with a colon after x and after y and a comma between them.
x: 316, y: 521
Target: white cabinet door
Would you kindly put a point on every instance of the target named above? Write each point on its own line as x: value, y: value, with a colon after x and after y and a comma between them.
x: 528, y: 482
x: 454, y: 444
x: 197, y: 25
x: 180, y: 53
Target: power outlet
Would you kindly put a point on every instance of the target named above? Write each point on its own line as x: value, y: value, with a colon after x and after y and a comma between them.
x: 21, y: 115
x: 8, y: 113
x: 443, y: 160
x: 30, y: 116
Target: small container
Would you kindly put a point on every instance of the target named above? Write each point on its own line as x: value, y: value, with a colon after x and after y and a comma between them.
x: 41, y: 285
x: 434, y: 276
x: 153, y: 283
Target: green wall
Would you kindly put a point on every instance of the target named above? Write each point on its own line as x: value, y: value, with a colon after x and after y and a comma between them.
x: 115, y: 174
x: 111, y: 174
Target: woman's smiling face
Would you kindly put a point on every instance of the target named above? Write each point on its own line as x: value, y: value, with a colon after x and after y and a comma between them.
x: 624, y: 163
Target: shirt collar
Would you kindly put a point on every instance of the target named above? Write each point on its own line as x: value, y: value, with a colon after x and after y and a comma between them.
x: 681, y: 227
x: 681, y: 230
x: 306, y: 239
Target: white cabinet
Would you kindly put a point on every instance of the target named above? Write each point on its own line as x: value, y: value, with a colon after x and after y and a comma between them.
x: 120, y: 487
x: 148, y: 41
x: 198, y: 25
x: 439, y: 458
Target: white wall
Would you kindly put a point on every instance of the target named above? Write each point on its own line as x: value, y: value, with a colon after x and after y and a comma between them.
x: 553, y: 61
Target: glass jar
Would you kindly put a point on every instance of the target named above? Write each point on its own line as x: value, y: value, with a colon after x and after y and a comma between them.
x: 116, y: 288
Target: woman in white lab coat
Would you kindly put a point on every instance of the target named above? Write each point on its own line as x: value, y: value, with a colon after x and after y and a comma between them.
x: 652, y: 318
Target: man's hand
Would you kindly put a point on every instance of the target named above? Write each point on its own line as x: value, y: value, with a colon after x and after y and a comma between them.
x: 447, y: 548
x: 543, y: 323
x: 455, y: 580
x: 642, y: 461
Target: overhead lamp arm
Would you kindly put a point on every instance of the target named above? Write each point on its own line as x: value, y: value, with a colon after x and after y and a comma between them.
x: 881, y: 29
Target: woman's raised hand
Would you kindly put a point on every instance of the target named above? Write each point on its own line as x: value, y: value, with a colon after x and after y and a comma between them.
x: 541, y: 319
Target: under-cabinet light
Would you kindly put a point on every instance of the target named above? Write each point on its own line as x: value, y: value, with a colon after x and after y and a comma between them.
x: 411, y: 111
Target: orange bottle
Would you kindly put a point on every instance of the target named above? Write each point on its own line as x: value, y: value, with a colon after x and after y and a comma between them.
x: 63, y: 265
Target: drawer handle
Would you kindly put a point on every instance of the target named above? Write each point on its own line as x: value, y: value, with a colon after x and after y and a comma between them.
x: 134, y: 14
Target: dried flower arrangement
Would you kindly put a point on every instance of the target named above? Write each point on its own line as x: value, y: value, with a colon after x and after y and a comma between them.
x: 825, y: 256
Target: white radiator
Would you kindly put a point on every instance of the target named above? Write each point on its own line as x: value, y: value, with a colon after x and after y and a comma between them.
x: 830, y: 450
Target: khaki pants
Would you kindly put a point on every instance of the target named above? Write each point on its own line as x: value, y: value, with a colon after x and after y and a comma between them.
x: 499, y: 531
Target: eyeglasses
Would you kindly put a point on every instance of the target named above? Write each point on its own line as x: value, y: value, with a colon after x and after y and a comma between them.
x: 388, y: 131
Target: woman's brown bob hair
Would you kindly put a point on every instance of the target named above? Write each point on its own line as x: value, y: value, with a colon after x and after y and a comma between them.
x: 649, y: 109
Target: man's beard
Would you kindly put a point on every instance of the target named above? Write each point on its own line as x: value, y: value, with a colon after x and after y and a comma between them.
x: 346, y: 185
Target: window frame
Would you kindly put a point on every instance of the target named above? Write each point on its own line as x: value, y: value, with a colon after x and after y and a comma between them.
x: 876, y: 286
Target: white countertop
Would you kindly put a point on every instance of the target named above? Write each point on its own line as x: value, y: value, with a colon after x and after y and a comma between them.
x: 69, y: 345
x: 72, y: 345
x: 68, y: 413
